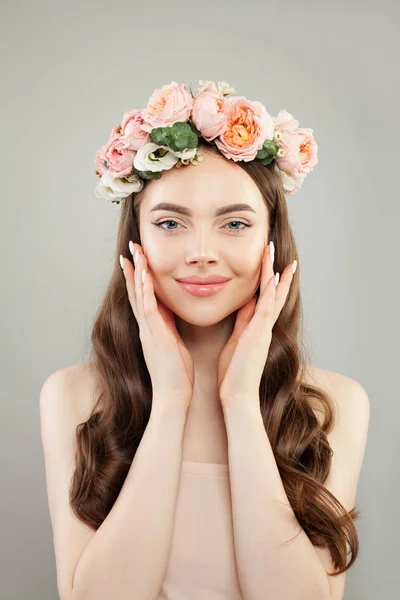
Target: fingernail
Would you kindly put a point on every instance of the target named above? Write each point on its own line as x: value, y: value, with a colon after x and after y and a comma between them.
x: 272, y: 251
x: 294, y: 267
x: 131, y: 247
x: 276, y: 279
x: 121, y: 260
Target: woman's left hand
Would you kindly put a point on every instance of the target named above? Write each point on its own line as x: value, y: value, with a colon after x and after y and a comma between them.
x: 242, y: 360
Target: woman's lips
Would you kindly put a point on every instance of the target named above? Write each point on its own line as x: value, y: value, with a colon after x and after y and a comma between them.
x: 203, y: 289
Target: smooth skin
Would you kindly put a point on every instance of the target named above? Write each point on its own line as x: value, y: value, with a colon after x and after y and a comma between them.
x: 159, y: 337
x: 252, y: 331
x: 243, y: 358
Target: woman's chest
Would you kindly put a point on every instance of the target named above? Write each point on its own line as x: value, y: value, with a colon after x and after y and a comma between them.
x: 205, y: 439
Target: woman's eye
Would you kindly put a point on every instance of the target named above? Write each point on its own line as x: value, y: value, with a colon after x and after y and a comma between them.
x: 229, y: 223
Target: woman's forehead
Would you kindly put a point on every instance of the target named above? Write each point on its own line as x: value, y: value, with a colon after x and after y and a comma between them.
x: 205, y: 187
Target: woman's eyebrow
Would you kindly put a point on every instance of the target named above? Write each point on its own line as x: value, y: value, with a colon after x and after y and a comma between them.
x: 186, y: 211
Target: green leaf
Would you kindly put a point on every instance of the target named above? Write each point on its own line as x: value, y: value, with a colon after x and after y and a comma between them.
x: 265, y: 161
x: 149, y: 174
x: 194, y: 129
x: 271, y: 146
x: 263, y: 153
x: 181, y: 128
x: 193, y: 140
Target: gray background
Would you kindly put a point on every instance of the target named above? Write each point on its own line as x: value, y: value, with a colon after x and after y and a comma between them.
x: 69, y: 71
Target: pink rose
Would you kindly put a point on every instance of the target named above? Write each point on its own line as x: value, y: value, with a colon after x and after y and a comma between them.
x: 166, y: 106
x: 285, y: 124
x: 290, y: 160
x: 131, y: 126
x: 248, y: 126
x: 118, y: 157
x: 300, y: 152
x: 291, y: 182
x: 299, y: 149
x: 209, y: 111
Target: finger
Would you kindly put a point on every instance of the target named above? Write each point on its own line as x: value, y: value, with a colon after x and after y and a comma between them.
x: 150, y: 309
x: 282, y: 290
x: 153, y: 321
x: 262, y: 321
x: 139, y: 265
x: 265, y: 305
x: 267, y: 269
x: 128, y: 271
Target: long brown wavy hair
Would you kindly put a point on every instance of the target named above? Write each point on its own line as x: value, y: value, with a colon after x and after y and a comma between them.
x: 108, y: 440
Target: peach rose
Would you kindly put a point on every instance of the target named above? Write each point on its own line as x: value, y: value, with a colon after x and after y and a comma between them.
x: 115, y: 154
x: 209, y: 111
x: 171, y: 103
x: 131, y: 126
x: 308, y: 149
x: 298, y: 149
x: 248, y: 126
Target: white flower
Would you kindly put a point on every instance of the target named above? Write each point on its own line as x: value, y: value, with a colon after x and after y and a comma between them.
x: 193, y: 157
x: 187, y: 155
x: 145, y: 159
x: 117, y: 188
x: 225, y: 88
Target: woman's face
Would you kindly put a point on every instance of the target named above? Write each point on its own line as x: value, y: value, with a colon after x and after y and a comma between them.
x: 201, y: 242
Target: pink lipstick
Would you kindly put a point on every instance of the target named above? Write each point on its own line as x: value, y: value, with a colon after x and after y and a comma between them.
x: 202, y: 289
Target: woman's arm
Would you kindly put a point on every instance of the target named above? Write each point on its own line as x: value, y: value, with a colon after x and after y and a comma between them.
x: 128, y: 555
x: 262, y: 516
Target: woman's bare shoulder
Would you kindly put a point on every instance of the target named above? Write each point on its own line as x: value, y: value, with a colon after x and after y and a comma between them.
x: 331, y: 381
x: 76, y: 384
x: 340, y: 388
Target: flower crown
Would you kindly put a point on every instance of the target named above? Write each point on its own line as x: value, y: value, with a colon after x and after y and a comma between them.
x: 166, y: 134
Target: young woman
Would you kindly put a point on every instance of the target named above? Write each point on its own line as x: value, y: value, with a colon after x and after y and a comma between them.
x: 197, y: 455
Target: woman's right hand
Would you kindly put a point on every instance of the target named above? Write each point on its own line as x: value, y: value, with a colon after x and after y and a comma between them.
x: 168, y: 360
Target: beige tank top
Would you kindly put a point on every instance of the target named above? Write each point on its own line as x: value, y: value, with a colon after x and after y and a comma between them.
x: 202, y: 562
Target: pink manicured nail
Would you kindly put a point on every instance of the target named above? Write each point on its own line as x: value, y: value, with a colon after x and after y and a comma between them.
x: 294, y: 267
x: 272, y: 251
x: 276, y: 279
